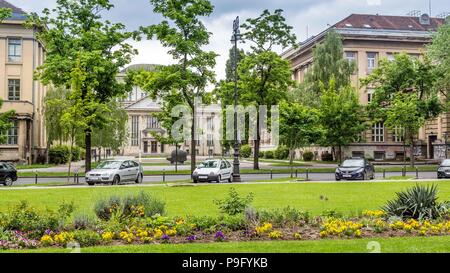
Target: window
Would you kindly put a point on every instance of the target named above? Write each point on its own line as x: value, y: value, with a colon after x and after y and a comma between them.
x: 152, y: 123
x: 390, y: 57
x: 14, y: 90
x: 371, y: 61
x: 398, y: 134
x: 379, y: 155
x: 370, y: 93
x: 154, y: 147
x: 12, y: 136
x: 210, y: 141
x: 351, y: 56
x: 378, y: 132
x: 14, y: 50
x: 134, y: 130
x: 209, y: 123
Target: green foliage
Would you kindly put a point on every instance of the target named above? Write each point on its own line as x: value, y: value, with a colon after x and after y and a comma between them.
x: 24, y: 218
x: 330, y: 67
x: 87, y: 237
x: 419, y: 202
x: 282, y: 152
x: 341, y: 116
x: 287, y: 216
x: 59, y: 154
x: 83, y: 221
x: 233, y: 222
x: 5, y: 122
x: 128, y: 206
x: 327, y: 157
x: 439, y: 53
x: 269, y: 154
x: 246, y: 151
x: 234, y: 204
x: 203, y: 222
x: 5, y: 13
x: 308, y: 156
x: 55, y: 103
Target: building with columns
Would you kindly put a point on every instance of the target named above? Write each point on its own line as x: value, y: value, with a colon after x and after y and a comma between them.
x: 20, y: 54
x: 366, y: 40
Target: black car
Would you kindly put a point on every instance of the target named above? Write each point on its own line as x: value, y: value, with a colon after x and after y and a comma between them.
x: 355, y: 169
x: 8, y: 174
x: 444, y: 169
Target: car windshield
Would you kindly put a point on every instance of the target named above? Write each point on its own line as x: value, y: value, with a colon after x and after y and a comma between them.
x: 210, y: 164
x: 353, y: 163
x: 109, y: 165
x: 446, y: 163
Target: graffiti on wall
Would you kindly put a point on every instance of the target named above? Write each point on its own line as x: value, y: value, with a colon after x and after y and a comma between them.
x: 439, y: 151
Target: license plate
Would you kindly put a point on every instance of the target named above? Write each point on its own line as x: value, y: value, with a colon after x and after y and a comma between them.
x: 203, y: 176
x: 346, y: 176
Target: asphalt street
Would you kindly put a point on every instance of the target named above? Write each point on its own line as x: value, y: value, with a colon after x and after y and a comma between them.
x: 245, y: 177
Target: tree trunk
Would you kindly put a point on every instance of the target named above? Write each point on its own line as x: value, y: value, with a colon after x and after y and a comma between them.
x: 193, y: 142
x: 70, y: 160
x: 333, y: 153
x: 99, y: 154
x: 412, y: 151
x: 87, y: 140
x: 291, y: 160
x: 256, y: 145
x: 340, y: 154
x: 47, y: 149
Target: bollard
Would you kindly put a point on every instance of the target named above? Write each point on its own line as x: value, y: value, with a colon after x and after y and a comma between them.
x: 307, y: 174
x: 417, y: 173
x: 35, y: 177
x: 404, y: 172
x: 384, y: 173
x: 296, y: 173
x: 271, y: 174
x: 164, y: 176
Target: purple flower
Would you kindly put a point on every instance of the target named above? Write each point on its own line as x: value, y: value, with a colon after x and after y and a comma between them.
x: 219, y: 236
x: 165, y: 237
x: 191, y: 238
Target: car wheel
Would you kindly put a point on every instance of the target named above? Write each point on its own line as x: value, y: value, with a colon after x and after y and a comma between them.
x: 91, y: 184
x: 219, y: 179
x: 230, y: 180
x: 116, y: 180
x: 8, y: 182
x: 363, y: 176
x: 195, y: 181
x: 139, y: 179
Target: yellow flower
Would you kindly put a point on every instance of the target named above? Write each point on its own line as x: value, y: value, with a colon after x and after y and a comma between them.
x: 358, y: 233
x: 323, y: 234
x: 374, y: 213
x: 275, y: 235
x: 157, y: 233
x: 108, y: 236
x: 171, y: 232
x: 265, y: 228
x: 297, y: 236
x: 47, y: 240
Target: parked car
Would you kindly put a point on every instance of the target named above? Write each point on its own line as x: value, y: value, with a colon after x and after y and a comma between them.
x: 355, y: 168
x: 444, y: 169
x: 8, y: 174
x: 213, y: 170
x: 114, y: 172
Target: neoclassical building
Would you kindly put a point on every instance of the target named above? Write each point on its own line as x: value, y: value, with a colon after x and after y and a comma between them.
x: 366, y: 40
x: 20, y: 54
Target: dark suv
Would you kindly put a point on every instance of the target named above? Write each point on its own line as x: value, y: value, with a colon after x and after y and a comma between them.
x: 8, y: 174
x: 354, y: 169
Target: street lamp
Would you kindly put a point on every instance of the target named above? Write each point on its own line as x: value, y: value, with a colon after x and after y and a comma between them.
x: 234, y: 39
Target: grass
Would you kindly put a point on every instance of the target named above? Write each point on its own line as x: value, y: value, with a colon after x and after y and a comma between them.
x: 399, y: 177
x: 350, y: 198
x: 35, y: 166
x: 387, y: 245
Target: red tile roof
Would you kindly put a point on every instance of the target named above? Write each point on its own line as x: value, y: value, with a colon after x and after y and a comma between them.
x: 388, y: 22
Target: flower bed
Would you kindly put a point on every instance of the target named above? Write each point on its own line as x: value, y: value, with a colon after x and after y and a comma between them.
x: 140, y: 220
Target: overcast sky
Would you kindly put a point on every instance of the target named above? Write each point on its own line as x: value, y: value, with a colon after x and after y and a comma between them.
x: 313, y: 15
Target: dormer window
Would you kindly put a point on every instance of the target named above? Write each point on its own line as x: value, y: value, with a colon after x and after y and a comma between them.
x: 348, y: 25
x: 424, y: 19
x: 367, y: 26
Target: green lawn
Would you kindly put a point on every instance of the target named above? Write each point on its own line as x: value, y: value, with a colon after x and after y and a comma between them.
x: 388, y: 245
x: 349, y: 198
x: 36, y: 166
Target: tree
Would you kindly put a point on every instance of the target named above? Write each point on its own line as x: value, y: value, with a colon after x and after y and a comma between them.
x: 5, y: 13
x: 409, y: 79
x: 264, y: 76
x: 341, y: 116
x: 329, y: 62
x: 439, y: 54
x: 299, y: 127
x: 74, y: 28
x: 55, y: 103
x: 184, y: 35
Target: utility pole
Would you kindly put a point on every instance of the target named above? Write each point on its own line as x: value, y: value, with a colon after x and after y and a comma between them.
x: 235, y: 38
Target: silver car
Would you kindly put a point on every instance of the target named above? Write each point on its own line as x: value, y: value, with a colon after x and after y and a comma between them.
x: 114, y: 172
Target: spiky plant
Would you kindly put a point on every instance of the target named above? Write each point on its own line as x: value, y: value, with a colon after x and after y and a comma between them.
x: 418, y: 202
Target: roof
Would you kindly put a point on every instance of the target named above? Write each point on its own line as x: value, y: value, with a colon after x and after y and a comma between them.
x: 17, y: 13
x: 147, y: 67
x: 388, y: 22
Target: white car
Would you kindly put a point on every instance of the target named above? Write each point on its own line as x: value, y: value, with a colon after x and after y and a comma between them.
x: 115, y: 171
x: 213, y: 170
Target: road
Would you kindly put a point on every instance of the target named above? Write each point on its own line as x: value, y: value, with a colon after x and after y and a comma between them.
x: 245, y: 177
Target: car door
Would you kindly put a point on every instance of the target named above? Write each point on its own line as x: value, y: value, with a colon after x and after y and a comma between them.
x: 3, y: 171
x: 369, y: 168
x: 224, y: 170
x: 125, y: 171
x: 134, y: 167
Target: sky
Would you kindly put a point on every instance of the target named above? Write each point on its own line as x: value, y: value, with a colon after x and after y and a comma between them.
x: 308, y: 17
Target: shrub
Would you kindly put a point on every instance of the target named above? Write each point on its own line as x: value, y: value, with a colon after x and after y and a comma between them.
x: 308, y: 156
x: 233, y: 222
x: 261, y: 154
x: 418, y: 202
x: 234, y: 204
x: 83, y: 221
x: 87, y: 238
x: 287, y: 216
x: 139, y: 205
x: 327, y: 157
x: 246, y: 151
x: 76, y: 153
x: 202, y: 222
x: 282, y: 152
x: 58, y: 155
x: 268, y: 154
